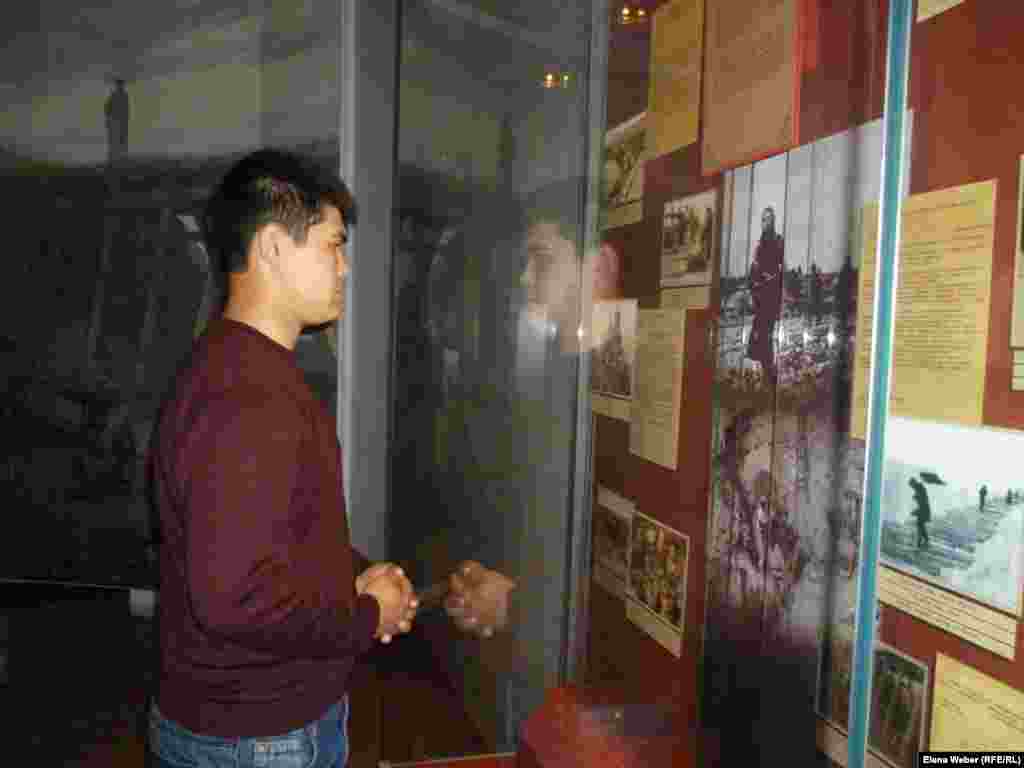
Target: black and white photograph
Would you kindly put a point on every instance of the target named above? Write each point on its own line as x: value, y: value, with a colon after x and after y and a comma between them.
x: 613, y: 520
x: 689, y: 228
x: 953, y: 508
x: 899, y: 693
x: 787, y: 474
x: 614, y: 353
x: 623, y: 179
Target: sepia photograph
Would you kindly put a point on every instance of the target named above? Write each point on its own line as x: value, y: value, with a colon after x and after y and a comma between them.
x: 953, y: 508
x: 623, y: 180
x: 899, y: 690
x: 835, y: 674
x: 688, y: 238
x: 614, y: 352
x: 613, y: 518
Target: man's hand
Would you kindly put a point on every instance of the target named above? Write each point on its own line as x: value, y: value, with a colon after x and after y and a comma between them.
x: 478, y: 599
x: 388, y: 584
x: 371, y: 573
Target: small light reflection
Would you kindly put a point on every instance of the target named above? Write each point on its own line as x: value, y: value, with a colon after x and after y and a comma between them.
x: 831, y: 337
x: 628, y: 15
x: 555, y: 80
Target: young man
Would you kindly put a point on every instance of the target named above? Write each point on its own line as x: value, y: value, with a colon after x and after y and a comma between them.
x: 261, y: 613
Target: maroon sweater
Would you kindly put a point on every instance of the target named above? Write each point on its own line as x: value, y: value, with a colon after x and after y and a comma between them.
x: 259, y: 620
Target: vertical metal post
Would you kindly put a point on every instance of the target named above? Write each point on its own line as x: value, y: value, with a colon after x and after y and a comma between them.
x: 578, y: 571
x: 886, y: 269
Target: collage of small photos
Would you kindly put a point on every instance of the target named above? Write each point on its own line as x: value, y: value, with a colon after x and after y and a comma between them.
x: 775, y: 229
x: 643, y: 562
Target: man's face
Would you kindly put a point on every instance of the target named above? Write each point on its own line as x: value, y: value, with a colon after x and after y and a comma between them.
x: 315, y: 271
x: 550, y: 268
x: 768, y: 220
x: 606, y: 273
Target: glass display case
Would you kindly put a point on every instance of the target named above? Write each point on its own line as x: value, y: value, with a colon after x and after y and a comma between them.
x: 700, y: 319
x: 117, y: 120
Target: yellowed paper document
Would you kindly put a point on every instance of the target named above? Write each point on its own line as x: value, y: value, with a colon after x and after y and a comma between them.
x: 974, y: 712
x: 673, y: 107
x: 865, y: 322
x: 751, y: 84
x: 986, y: 628
x: 654, y: 425
x: 695, y: 297
x: 942, y: 306
x: 928, y: 8
x: 1017, y: 318
x: 1018, y: 370
x: 612, y: 407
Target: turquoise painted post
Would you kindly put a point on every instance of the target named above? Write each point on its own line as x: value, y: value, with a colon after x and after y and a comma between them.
x: 900, y: 22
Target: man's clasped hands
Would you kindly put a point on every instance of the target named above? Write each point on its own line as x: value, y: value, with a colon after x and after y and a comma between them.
x: 477, y: 599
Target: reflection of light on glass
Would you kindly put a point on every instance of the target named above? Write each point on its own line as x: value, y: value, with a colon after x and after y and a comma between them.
x: 831, y: 337
x: 631, y: 16
x: 807, y: 337
x: 555, y: 80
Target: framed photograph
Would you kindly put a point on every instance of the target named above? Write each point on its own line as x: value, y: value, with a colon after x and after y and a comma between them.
x: 899, y: 691
x: 625, y: 151
x: 689, y: 227
x: 612, y: 360
x: 613, y: 519
x: 656, y: 590
x: 953, y: 508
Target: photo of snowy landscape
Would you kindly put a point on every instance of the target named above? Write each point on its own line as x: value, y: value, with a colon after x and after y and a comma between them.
x: 953, y: 508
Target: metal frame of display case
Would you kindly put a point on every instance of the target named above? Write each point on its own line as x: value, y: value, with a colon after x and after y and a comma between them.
x: 897, y: 70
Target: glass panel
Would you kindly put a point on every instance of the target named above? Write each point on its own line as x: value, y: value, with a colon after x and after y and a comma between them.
x: 778, y: 552
x: 945, y: 670
x: 118, y: 118
x: 492, y: 153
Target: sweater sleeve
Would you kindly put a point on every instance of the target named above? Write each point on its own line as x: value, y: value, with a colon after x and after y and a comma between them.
x: 248, y: 582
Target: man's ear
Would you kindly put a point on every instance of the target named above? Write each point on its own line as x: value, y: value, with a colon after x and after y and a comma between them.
x: 268, y: 244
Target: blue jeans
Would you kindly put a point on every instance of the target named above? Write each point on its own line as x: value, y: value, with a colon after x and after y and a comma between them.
x: 320, y: 744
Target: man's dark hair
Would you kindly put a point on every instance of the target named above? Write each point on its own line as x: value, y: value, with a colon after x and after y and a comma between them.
x: 270, y: 186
